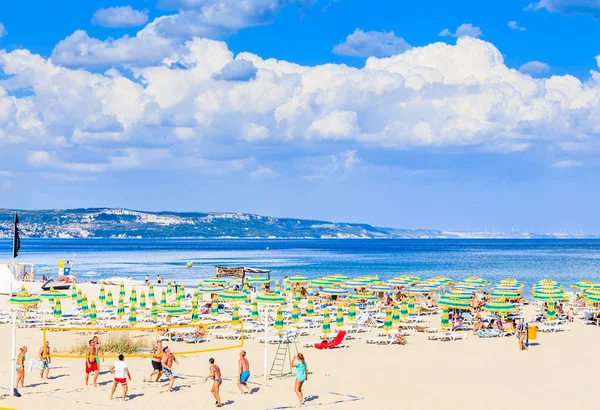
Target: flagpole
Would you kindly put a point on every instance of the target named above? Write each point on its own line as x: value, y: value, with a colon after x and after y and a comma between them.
x: 12, y: 265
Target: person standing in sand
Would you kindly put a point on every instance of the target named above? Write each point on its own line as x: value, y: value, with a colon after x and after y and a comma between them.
x: 215, y: 374
x: 20, y: 370
x: 91, y: 365
x: 45, y: 360
x: 121, y: 372
x: 167, y: 365
x: 522, y: 336
x: 299, y: 363
x: 99, y: 351
x: 157, y: 368
x: 244, y: 372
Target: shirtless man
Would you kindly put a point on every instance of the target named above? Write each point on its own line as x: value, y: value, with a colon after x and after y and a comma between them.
x: 45, y: 360
x: 244, y: 372
x: 156, y: 362
x: 215, y: 374
x: 91, y: 365
x: 167, y: 365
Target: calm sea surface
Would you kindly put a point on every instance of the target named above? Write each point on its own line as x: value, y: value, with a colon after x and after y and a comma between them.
x: 566, y: 261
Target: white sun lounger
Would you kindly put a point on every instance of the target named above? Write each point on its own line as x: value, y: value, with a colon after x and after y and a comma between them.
x: 382, y: 340
x: 553, y: 328
x: 447, y: 336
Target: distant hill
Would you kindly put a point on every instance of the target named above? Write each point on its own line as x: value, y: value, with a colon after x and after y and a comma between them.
x: 126, y: 223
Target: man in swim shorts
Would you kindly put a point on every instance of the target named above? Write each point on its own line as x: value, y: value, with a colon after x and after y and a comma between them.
x: 91, y: 365
x: 121, y: 372
x: 45, y: 360
x: 215, y: 374
x: 244, y: 372
x: 167, y: 365
x: 157, y: 368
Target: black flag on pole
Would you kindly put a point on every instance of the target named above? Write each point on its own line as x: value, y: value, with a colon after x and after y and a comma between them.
x: 16, y: 238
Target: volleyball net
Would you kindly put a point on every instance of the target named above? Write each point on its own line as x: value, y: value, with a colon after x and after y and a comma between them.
x: 140, y: 341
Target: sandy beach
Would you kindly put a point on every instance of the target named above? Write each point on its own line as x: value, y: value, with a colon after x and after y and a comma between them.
x: 556, y: 373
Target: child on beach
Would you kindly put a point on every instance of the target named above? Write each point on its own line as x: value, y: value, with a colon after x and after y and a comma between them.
x: 301, y: 374
x: 121, y: 372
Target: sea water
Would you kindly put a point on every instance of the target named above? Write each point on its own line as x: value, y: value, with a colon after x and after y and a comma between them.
x: 566, y: 261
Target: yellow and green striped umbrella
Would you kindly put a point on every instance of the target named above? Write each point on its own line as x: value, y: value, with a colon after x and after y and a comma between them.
x: 120, y: 307
x: 169, y: 289
x: 593, y: 298
x: 277, y: 288
x: 58, y: 310
x: 352, y: 284
x: 445, y: 319
x: 321, y: 282
x: 74, y: 292
x: 363, y: 296
x: 269, y: 298
x: 254, y: 310
x: 24, y: 299
x: 339, y: 316
x: 142, y: 300
x: 154, y: 310
x: 395, y: 313
x: 102, y: 295
x: 109, y: 299
x: 298, y: 279
x: 352, y: 312
x: 151, y: 291
x: 326, y: 324
x: 551, y: 313
x: 52, y: 294
x: 235, y: 317
x: 85, y: 310
x: 172, y: 310
x: 232, y: 296
x: 501, y: 308
x: 411, y: 303
x: 214, y: 307
x: 586, y: 284
x: 453, y: 303
x: 132, y: 316
x: 93, y: 314
x: 279, y: 319
x: 133, y: 297
x: 550, y: 297
x: 195, y: 317
x: 163, y: 298
x: 295, y: 316
x: 387, y: 324
x: 122, y: 290
x: 404, y: 310
x: 79, y: 298
x: 310, y: 307
x: 504, y: 294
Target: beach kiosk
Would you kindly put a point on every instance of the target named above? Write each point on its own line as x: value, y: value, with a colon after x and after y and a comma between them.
x: 241, y: 273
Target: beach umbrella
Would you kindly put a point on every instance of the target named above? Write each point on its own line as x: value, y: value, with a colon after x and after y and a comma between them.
x: 551, y: 313
x: 254, y: 310
x: 399, y: 282
x: 277, y: 288
x: 79, y: 298
x: 154, y: 310
x: 214, y: 307
x: 321, y: 282
x: 52, y: 294
x: 458, y: 296
x: 216, y: 281
x: 93, y: 314
x: 109, y: 300
x: 501, y: 308
x: 169, y: 290
x: 585, y: 284
x: 381, y: 288
x: 235, y: 317
x: 211, y: 289
x: 335, y: 280
x: 339, y: 317
x: 298, y: 279
x: 326, y: 324
x: 24, y: 299
x: 504, y: 294
x: 57, y: 310
x: 550, y: 297
x: 151, y: 291
x: 295, y: 315
x: 122, y: 290
x: 420, y: 291
x: 133, y: 297
x: 74, y: 292
x: 593, y: 298
x: 340, y: 276
x: 352, y: 312
x: 163, y: 298
x: 268, y: 299
x: 255, y: 280
x: 142, y: 300
x: 453, y: 303
x: 287, y: 287
x: 84, y: 306
x: 445, y: 319
x: 387, y: 324
x: 335, y: 291
x: 102, y: 295
x: 298, y: 296
x: 232, y: 296
x: 411, y: 303
x: 120, y: 307
x: 498, y: 288
x: 442, y: 279
x: 354, y: 284
x: 195, y: 317
x: 395, y: 313
x: 409, y: 278
x: 466, y: 287
x: 404, y: 309
x: 363, y: 296
x: 368, y: 279
x: 279, y: 319
x: 132, y: 316
x: 310, y: 308
x: 479, y: 281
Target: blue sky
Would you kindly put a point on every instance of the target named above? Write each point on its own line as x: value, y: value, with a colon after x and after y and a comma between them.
x: 407, y: 114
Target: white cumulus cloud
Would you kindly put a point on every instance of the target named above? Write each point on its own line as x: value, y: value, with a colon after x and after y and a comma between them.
x: 568, y: 7
x: 464, y: 30
x: 3, y: 31
x: 513, y: 25
x: 567, y: 163
x: 371, y: 44
x: 534, y: 67
x: 113, y: 17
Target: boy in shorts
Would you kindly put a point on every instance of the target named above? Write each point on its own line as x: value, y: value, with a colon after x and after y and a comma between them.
x: 121, y: 372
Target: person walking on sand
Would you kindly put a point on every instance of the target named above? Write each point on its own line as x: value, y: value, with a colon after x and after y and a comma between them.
x: 244, y: 372
x: 99, y: 351
x: 522, y: 336
x: 215, y: 374
x: 157, y: 368
x: 20, y: 370
x: 167, y: 365
x: 299, y: 363
x: 91, y: 365
x: 121, y: 372
x: 45, y: 360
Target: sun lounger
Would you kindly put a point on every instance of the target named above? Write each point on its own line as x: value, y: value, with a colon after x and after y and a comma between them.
x: 335, y: 343
x: 553, y: 328
x: 192, y: 339
x: 233, y: 336
x: 447, y: 336
x: 384, y: 340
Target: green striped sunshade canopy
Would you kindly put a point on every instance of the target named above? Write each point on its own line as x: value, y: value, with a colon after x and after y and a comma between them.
x: 120, y: 308
x: 368, y: 279
x: 514, y: 288
x: 57, y: 311
x: 122, y: 289
x: 232, y: 296
x: 363, y: 296
x: 298, y: 279
x: 381, y: 288
x: 24, y: 299
x: 109, y: 299
x: 339, y: 276
x: 477, y: 280
x: 269, y: 298
x: 85, y: 310
x: 352, y: 311
x: 411, y: 303
x: 430, y: 285
x: 279, y: 319
x: 150, y: 291
x: 215, y: 281
x: 295, y: 313
x: 453, y: 304
x: 53, y: 294
x: 172, y: 310
x: 400, y: 282
x: 586, y: 284
x: 500, y: 307
x: 442, y: 279
x: 591, y: 291
x: 339, y: 317
x: 593, y: 298
x: 132, y: 316
x: 257, y: 280
x: 194, y: 317
x: 335, y: 291
x: 355, y: 285
x: 254, y: 310
x: 93, y: 313
x: 421, y: 291
x: 457, y: 296
x: 505, y: 294
x: 214, y: 307
x: 310, y: 307
x: 321, y: 282
x: 550, y: 296
x: 467, y: 286
x: 133, y: 296
x: 326, y: 322
x: 102, y: 295
x: 550, y: 281
x: 235, y: 315
x: 445, y: 319
x: 142, y: 300
x: 73, y: 292
x: 404, y: 309
x: 395, y: 313
x: 211, y: 289
x: 410, y: 278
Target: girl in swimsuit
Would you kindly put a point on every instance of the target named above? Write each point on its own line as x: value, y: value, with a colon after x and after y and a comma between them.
x: 20, y: 367
x: 301, y: 374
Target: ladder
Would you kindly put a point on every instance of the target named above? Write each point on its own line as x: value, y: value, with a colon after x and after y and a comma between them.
x: 283, y: 355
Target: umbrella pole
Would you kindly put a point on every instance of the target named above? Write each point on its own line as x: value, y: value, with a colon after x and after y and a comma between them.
x: 13, y: 359
x: 266, y: 340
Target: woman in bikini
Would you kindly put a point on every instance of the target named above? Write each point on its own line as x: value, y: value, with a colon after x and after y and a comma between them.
x: 215, y: 374
x: 299, y: 363
x: 20, y: 367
